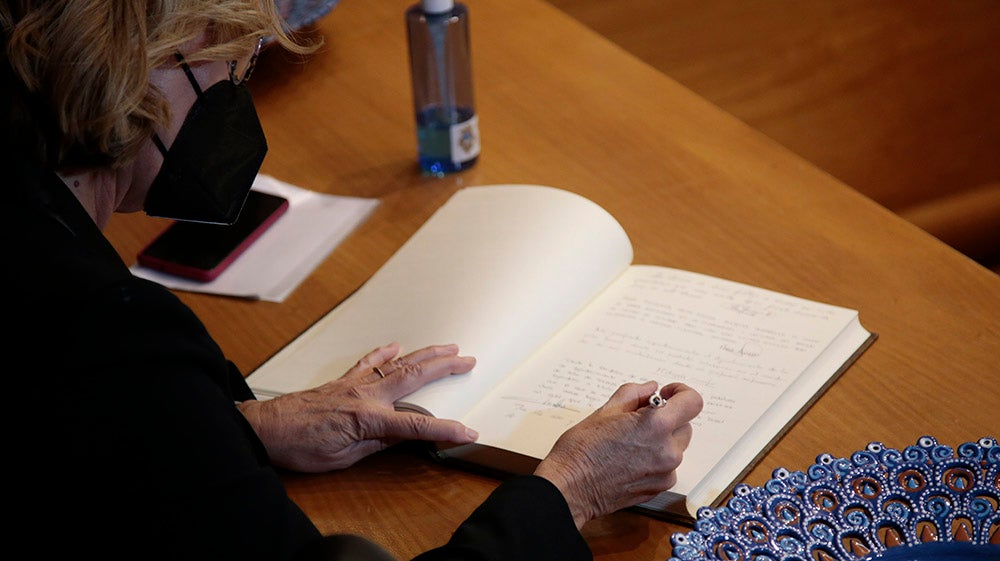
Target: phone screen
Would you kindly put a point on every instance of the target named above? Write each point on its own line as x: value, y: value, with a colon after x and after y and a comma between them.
x: 202, y: 251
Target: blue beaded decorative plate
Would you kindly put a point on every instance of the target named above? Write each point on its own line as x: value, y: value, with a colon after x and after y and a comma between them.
x: 928, y: 501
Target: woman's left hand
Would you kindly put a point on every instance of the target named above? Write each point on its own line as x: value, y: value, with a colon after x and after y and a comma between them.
x: 336, y: 424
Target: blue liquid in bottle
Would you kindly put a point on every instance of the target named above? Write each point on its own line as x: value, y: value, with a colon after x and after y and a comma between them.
x: 440, y: 66
x: 447, y: 141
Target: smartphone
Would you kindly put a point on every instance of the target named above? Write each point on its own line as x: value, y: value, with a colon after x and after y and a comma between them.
x: 200, y: 251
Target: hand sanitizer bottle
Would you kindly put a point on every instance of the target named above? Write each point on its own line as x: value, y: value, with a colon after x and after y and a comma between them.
x: 441, y: 72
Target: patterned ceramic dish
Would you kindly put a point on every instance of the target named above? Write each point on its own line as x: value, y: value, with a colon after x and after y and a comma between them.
x: 925, y: 502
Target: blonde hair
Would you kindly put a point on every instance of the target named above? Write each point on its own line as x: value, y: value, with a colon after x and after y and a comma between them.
x: 86, y: 63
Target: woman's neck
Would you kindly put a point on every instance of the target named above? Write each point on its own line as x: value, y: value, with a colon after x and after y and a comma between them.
x: 97, y: 191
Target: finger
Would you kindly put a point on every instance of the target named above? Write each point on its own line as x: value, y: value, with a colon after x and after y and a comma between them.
x: 377, y: 357
x: 669, y: 481
x: 414, y: 426
x: 419, y: 356
x: 429, y: 352
x: 674, y: 388
x: 682, y: 435
x: 630, y: 397
x: 682, y: 406
x: 412, y: 377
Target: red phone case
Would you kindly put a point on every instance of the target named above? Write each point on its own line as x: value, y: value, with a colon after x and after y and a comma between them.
x: 206, y: 275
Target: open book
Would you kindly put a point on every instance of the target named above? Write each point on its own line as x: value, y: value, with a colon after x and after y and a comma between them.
x: 537, y: 284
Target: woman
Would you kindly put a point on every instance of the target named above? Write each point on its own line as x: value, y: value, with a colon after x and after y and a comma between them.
x: 132, y: 435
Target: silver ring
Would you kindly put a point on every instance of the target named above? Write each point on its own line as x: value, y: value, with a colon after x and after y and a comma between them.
x: 378, y: 371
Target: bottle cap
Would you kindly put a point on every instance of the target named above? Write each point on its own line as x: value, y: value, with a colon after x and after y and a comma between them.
x: 437, y: 6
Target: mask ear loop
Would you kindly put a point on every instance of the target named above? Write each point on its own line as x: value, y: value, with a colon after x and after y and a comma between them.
x: 159, y: 145
x: 194, y: 84
x: 187, y: 70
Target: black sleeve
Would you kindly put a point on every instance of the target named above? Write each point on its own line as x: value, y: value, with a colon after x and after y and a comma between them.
x: 238, y: 385
x: 131, y: 445
x: 524, y: 518
x: 123, y: 439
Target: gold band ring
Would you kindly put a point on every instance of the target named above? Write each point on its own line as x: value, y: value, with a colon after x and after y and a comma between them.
x: 378, y: 371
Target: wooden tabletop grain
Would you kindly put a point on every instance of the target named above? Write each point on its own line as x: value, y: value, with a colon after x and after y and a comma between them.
x: 693, y: 187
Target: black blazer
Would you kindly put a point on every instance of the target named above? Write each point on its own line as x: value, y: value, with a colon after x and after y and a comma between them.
x: 123, y: 437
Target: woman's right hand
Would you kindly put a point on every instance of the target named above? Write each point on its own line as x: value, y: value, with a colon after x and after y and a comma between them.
x: 623, y: 454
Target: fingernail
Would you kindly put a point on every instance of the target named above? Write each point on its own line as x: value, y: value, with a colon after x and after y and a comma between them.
x: 471, y: 433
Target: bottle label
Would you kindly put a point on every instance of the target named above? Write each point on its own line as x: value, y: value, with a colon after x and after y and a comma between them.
x: 465, y: 140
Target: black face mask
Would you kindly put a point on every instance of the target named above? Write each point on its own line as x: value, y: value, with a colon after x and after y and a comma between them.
x: 207, y: 173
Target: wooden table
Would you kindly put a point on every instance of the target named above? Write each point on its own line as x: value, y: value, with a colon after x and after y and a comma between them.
x: 694, y: 188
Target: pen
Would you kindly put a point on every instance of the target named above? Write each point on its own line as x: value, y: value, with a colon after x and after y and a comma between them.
x: 656, y: 400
